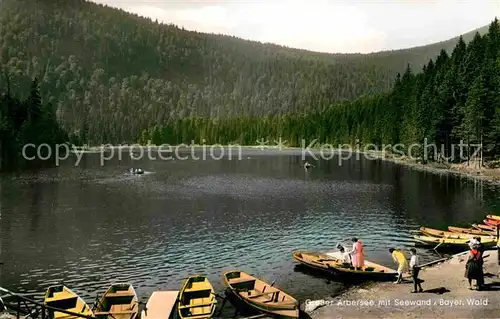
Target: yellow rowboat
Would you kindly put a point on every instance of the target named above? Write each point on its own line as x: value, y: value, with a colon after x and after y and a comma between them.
x: 61, y: 297
x: 495, y: 217
x: 197, y: 298
x: 447, y: 234
x: 473, y: 231
x: 370, y: 271
x: 452, y: 242
x: 118, y: 302
x: 261, y: 296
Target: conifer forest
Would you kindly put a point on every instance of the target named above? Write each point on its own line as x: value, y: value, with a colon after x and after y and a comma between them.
x: 89, y: 74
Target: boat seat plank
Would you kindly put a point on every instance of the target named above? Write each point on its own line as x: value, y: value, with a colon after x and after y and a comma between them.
x: 114, y: 313
x: 196, y: 306
x: 262, y: 294
x: 120, y: 294
x: 240, y: 280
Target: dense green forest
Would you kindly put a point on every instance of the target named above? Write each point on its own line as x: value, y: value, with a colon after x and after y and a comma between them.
x: 455, y: 98
x: 26, y: 121
x: 111, y: 75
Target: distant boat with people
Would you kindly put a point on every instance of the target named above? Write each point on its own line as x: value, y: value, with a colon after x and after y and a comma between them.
x: 136, y: 171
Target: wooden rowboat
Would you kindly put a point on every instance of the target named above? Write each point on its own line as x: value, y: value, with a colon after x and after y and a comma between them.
x: 160, y: 305
x: 118, y: 302
x: 261, y: 296
x: 61, y: 297
x: 473, y: 231
x: 484, y: 227
x: 492, y: 222
x: 315, y: 260
x: 370, y: 271
x: 447, y: 234
x: 495, y: 217
x: 197, y: 298
x: 452, y: 242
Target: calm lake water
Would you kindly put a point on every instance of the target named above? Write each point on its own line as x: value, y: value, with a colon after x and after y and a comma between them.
x: 89, y: 226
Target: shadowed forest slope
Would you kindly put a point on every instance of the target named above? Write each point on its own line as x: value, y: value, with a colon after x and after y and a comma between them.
x: 111, y: 74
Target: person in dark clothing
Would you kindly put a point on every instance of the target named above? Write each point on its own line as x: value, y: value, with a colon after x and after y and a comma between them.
x: 415, y: 269
x: 474, y: 267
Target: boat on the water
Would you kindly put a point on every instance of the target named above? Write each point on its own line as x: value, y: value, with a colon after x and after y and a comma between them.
x: 315, y: 260
x: 261, y: 296
x: 495, y: 217
x: 447, y: 234
x: 473, y: 231
x: 118, y: 302
x: 136, y: 171
x: 452, y: 242
x: 197, y: 298
x: 492, y: 222
x: 61, y: 297
x: 484, y: 227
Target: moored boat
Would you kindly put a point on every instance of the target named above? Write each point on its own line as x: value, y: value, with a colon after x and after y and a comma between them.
x: 315, y: 260
x: 452, y: 242
x: 473, y: 231
x: 261, y: 296
x: 492, y: 222
x: 447, y: 234
x: 118, y: 302
x: 197, y: 298
x: 495, y: 217
x: 484, y: 227
x: 61, y: 297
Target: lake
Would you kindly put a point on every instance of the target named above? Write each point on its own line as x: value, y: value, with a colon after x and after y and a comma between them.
x: 90, y: 225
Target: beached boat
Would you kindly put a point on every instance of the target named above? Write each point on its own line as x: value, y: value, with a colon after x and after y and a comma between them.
x: 315, y: 260
x: 452, y: 242
x: 261, y: 296
x: 118, y: 302
x: 473, y: 231
x: 447, y: 234
x: 197, y: 298
x: 495, y: 217
x: 61, y: 297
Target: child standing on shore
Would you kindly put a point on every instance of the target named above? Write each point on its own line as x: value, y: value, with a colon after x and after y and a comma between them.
x: 415, y: 269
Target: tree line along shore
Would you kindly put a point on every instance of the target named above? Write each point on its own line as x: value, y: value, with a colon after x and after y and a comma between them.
x: 243, y: 91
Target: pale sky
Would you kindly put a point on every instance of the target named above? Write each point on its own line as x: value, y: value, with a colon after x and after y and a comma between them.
x: 335, y: 26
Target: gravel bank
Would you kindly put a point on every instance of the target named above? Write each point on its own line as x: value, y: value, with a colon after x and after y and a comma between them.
x: 446, y: 295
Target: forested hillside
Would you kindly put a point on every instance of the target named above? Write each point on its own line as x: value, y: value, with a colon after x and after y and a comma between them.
x: 110, y: 74
x: 456, y: 98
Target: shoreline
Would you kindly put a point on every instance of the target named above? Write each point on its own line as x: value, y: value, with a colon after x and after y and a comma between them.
x: 490, y: 175
x: 446, y: 295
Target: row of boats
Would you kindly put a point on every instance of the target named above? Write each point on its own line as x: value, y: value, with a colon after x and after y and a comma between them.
x: 458, y: 237
x: 196, y: 300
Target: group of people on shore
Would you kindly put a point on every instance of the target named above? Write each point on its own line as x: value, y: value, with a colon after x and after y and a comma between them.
x: 355, y: 258
x: 473, y: 268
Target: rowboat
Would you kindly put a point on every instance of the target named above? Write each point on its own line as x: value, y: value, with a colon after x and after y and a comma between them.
x: 160, y: 305
x: 261, y: 296
x: 484, y: 227
x: 61, y: 297
x: 473, y: 231
x: 495, y: 217
x: 452, y: 242
x: 448, y: 234
x: 118, y: 302
x: 335, y: 265
x: 197, y: 298
x: 492, y: 222
x: 315, y: 260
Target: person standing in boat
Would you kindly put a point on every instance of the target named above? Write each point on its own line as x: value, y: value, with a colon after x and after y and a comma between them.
x: 399, y: 257
x: 357, y: 254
